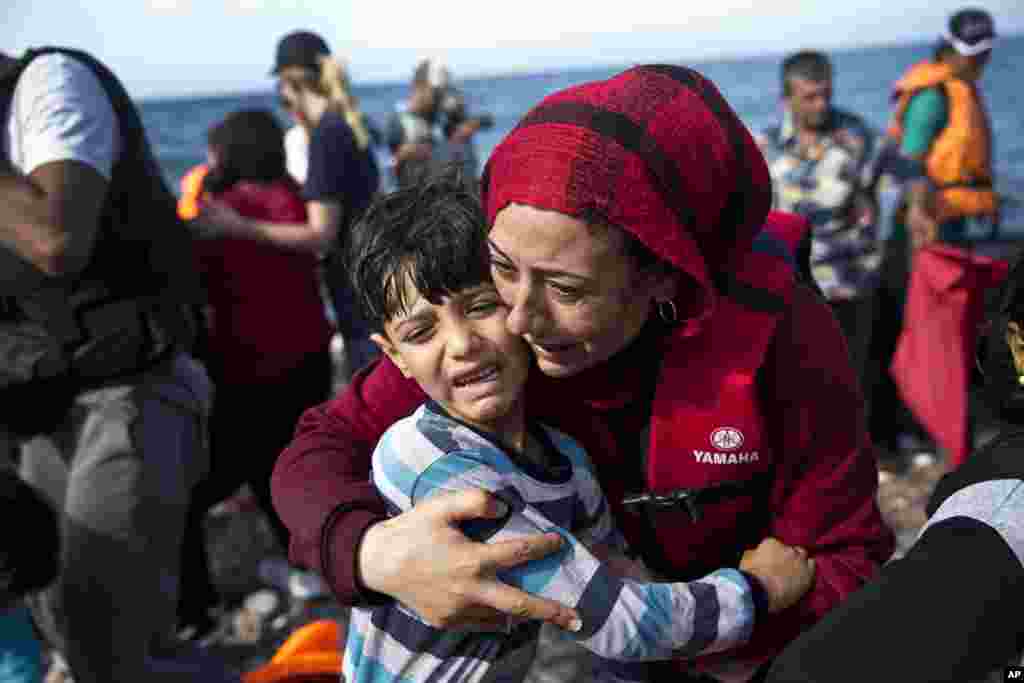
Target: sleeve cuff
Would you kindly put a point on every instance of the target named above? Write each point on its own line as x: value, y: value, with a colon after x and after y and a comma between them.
x: 343, y: 536
x: 759, y: 595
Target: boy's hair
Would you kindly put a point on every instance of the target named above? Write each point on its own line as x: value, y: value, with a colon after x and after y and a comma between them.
x: 807, y: 64
x: 434, y: 232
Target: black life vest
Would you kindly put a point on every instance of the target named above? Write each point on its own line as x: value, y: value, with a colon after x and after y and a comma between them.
x: 131, y: 306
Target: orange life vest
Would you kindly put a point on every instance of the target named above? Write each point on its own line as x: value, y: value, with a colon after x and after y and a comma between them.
x: 191, y: 192
x: 959, y: 161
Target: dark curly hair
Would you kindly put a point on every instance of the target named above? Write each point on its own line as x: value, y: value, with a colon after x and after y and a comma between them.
x: 249, y: 145
x: 433, y: 231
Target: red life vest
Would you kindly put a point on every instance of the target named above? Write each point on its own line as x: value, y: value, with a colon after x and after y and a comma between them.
x: 709, y: 446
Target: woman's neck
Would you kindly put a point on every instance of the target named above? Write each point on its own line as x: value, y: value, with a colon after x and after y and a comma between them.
x: 316, y: 107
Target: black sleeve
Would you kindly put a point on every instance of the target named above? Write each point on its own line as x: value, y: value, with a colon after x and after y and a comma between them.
x: 30, y: 548
x: 332, y: 154
x: 1001, y: 458
x: 949, y: 611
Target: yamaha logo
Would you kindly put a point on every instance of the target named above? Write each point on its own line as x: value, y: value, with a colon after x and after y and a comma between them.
x: 727, y: 438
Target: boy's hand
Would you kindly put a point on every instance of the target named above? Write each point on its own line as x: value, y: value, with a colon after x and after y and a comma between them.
x: 785, y: 572
x: 424, y: 561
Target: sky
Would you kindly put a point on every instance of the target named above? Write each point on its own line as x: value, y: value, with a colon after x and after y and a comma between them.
x: 191, y: 47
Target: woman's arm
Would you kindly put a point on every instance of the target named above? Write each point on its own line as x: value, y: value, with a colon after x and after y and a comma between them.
x: 323, y: 493
x: 315, y: 237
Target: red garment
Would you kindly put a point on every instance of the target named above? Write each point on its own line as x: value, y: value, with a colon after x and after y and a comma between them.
x: 935, y: 354
x: 584, y: 151
x: 267, y: 310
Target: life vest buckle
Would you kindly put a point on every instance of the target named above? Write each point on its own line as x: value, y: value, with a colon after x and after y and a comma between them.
x: 686, y: 498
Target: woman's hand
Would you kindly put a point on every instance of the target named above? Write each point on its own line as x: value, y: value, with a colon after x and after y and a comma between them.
x: 785, y: 572
x: 217, y: 219
x: 423, y: 560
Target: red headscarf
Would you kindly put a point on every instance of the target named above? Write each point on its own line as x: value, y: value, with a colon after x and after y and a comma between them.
x: 656, y: 151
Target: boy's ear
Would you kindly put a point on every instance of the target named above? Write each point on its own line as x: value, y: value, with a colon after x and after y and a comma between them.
x: 391, y: 352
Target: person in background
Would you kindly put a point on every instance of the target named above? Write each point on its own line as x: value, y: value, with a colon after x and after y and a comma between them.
x: 266, y: 345
x: 106, y: 406
x: 949, y: 611
x: 818, y: 158
x: 342, y: 176
x: 937, y: 163
x: 640, y: 260
x: 944, y: 138
x: 459, y: 129
x: 432, y: 128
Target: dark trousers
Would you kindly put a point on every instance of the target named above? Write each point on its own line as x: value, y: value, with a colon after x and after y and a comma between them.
x: 250, y: 426
x: 856, y: 318
x: 888, y: 416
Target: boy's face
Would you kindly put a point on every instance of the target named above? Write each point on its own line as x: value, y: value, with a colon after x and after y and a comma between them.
x: 460, y: 352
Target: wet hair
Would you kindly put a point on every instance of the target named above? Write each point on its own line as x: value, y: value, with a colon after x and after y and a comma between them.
x: 1002, y: 391
x: 250, y: 146
x: 332, y: 82
x: 807, y: 64
x: 433, y: 232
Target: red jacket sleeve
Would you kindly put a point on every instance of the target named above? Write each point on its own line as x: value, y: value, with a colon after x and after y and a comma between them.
x: 824, y: 497
x: 321, y: 482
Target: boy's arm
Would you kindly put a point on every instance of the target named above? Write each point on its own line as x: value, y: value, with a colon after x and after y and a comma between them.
x: 338, y: 522
x: 620, y: 619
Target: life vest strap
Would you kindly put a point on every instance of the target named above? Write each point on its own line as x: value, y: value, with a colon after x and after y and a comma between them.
x: 974, y: 185
x: 693, y: 499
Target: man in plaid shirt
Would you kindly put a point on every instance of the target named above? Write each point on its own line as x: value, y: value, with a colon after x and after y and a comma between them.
x: 819, y: 160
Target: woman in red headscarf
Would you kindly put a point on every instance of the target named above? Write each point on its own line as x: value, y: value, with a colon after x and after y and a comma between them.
x: 632, y: 241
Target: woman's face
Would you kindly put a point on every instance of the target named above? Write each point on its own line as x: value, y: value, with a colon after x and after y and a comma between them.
x: 297, y: 100
x: 573, y: 293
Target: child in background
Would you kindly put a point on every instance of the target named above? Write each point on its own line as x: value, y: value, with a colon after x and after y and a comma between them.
x: 420, y: 269
x: 266, y: 346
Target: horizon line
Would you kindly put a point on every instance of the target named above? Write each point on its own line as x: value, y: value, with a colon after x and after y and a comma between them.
x: 512, y: 72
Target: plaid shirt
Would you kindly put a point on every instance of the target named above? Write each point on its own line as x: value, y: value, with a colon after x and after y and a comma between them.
x: 826, y: 184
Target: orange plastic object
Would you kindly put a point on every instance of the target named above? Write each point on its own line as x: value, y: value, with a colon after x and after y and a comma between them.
x: 310, y: 654
x: 191, y: 192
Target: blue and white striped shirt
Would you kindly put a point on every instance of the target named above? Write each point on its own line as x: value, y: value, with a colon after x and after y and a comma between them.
x: 624, y: 621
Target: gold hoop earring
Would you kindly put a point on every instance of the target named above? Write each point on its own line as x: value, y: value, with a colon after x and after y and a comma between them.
x: 667, y: 311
